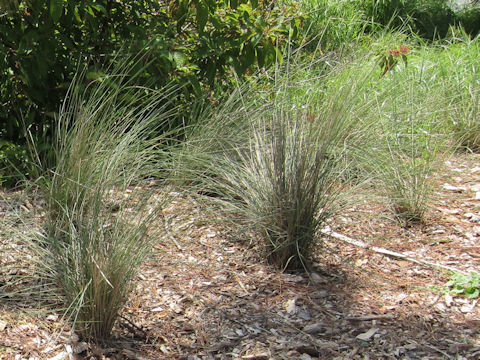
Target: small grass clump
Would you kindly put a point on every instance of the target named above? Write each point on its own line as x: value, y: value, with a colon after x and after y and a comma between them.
x: 407, y: 131
x: 99, y: 209
x: 405, y: 177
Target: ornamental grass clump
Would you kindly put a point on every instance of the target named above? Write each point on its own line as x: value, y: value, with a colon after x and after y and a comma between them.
x: 99, y: 206
x: 461, y: 74
x: 283, y: 184
x: 408, y: 141
x: 285, y: 179
x: 405, y: 174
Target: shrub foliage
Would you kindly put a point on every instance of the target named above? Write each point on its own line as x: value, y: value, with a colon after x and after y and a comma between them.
x: 193, y: 42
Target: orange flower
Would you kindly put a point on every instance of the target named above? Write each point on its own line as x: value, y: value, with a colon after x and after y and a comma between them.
x: 402, y: 49
x: 394, y: 52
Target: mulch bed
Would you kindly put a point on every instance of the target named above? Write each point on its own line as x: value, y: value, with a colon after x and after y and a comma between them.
x: 204, y: 295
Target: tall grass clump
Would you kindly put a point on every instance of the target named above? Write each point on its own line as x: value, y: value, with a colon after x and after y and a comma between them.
x: 409, y: 137
x: 429, y: 19
x: 330, y: 25
x: 283, y: 180
x: 99, y: 209
x: 458, y: 63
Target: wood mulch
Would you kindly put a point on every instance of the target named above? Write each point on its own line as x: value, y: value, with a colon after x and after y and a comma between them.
x: 205, y: 295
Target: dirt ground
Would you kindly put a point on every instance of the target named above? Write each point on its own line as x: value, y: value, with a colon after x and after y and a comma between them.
x: 205, y: 295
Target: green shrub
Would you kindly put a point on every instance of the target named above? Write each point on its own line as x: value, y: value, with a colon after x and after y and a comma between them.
x: 193, y: 43
x: 469, y: 18
x: 429, y: 19
x: 329, y: 25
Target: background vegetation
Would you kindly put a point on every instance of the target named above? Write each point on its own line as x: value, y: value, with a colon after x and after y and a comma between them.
x: 193, y: 44
x: 266, y: 111
x: 201, y: 45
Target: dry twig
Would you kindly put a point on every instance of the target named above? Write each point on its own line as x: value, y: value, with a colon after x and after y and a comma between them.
x: 386, y: 252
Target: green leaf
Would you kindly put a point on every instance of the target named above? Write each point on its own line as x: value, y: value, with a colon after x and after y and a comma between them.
x: 56, y: 9
x: 76, y: 14
x: 179, y: 59
x: 260, y: 56
x: 472, y: 293
x: 279, y: 55
x: 269, y: 53
x: 89, y: 10
x: 94, y: 75
x: 100, y: 8
x: 293, y: 29
x: 202, y: 15
x: 256, y: 38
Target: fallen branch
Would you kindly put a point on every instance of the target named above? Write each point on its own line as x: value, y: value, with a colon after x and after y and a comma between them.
x: 370, y: 317
x: 440, y: 351
x: 386, y: 252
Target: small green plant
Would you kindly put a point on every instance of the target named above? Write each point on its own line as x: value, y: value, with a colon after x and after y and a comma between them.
x: 464, y: 284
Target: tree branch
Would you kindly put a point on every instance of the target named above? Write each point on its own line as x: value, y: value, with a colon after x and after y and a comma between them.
x: 386, y: 252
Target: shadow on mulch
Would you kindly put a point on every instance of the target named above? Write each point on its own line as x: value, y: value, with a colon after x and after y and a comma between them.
x: 249, y: 311
x: 252, y: 312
